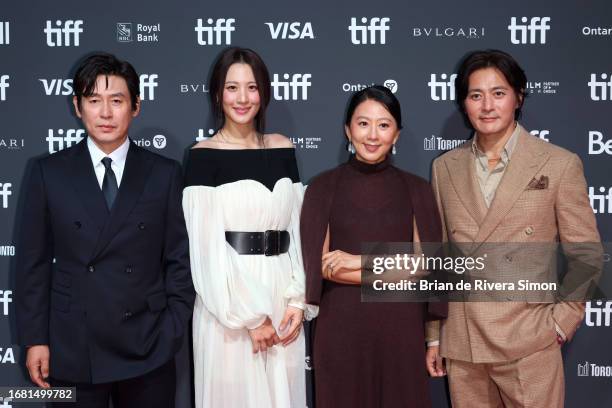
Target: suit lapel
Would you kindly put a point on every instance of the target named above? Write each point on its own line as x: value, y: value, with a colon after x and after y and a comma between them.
x: 86, y: 185
x: 463, y: 177
x: 526, y: 160
x: 137, y: 168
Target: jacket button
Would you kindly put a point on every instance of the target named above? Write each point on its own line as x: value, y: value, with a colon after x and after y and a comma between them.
x: 90, y: 268
x: 77, y: 224
x: 529, y: 230
x: 508, y: 258
x: 127, y: 314
x: 141, y: 226
x: 128, y: 269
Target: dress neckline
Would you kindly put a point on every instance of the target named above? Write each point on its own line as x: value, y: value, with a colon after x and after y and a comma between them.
x: 368, y: 168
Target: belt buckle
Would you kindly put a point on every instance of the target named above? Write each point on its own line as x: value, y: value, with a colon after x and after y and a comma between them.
x: 272, y: 242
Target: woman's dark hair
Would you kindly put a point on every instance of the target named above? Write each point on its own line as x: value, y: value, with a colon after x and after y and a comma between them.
x: 84, y: 82
x: 499, y: 60
x: 227, y: 58
x: 379, y: 94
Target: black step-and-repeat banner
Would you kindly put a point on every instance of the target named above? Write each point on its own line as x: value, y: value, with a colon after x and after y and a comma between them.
x: 317, y: 54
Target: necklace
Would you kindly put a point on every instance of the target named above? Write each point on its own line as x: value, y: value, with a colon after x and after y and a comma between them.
x: 225, y: 139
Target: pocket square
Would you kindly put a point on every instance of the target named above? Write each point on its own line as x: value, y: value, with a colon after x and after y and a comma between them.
x: 538, y: 184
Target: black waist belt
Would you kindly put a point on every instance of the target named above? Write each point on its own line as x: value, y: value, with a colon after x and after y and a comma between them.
x: 267, y: 243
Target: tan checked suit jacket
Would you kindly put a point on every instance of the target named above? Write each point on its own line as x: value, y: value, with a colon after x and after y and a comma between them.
x: 503, y: 331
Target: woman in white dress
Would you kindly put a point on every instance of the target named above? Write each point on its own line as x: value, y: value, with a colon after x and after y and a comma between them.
x: 242, y: 204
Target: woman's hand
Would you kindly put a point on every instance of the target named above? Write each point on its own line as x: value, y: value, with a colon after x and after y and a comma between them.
x: 333, y: 261
x: 434, y: 362
x: 291, y: 325
x: 264, y: 336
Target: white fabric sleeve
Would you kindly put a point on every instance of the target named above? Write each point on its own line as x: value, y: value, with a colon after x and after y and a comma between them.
x: 296, y: 291
x: 234, y: 299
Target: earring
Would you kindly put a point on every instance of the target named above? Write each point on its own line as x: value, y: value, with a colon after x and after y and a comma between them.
x: 351, y: 148
x: 393, y: 150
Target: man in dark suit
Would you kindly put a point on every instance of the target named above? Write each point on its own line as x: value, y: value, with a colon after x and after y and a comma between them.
x: 104, y: 291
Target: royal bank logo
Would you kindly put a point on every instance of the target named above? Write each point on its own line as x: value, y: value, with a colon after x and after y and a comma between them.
x: 124, y: 32
x: 597, y: 31
x: 601, y: 90
x: 529, y: 31
x: 7, y: 250
x: 5, y: 193
x: 148, y: 84
x: 193, y: 88
x: 59, y: 139
x: 6, y: 298
x: 63, y: 33
x: 436, y: 143
x: 391, y: 84
x: 371, y: 31
x: 597, y: 144
x: 471, y: 33
x: 542, y: 87
x: 4, y: 84
x: 442, y: 89
x: 5, y: 33
x: 597, y: 313
x: 293, y: 87
x: 291, y: 30
x: 204, y: 135
x: 158, y: 141
x: 144, y: 32
x: 7, y: 356
x: 216, y: 32
x: 594, y: 370
x: 11, y: 144
x: 601, y: 201
x: 306, y: 142
x: 542, y: 134
x: 57, y: 86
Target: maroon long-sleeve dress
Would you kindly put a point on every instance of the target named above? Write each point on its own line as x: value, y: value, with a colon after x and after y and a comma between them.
x: 366, y: 354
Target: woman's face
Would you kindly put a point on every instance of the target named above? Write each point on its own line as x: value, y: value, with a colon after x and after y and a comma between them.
x: 373, y: 131
x: 240, y: 95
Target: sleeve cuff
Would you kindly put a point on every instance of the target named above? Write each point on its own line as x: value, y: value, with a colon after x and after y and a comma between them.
x: 433, y: 343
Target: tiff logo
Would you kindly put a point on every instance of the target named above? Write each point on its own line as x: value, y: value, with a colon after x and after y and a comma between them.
x: 5, y: 193
x: 583, y: 369
x: 290, y: 31
x: 221, y: 26
x: 598, y: 315
x: 359, y: 33
x: 518, y: 32
x: 64, y: 138
x: 542, y: 134
x: 296, y: 88
x: 147, y: 86
x: 64, y: 34
x: 446, y: 88
x: 601, y: 90
x: 5, y: 38
x: 57, y: 86
x: 5, y: 299
x: 601, y: 203
x: 3, y: 85
x: 597, y: 144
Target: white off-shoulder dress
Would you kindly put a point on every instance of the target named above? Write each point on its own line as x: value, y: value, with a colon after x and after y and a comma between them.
x: 244, y: 190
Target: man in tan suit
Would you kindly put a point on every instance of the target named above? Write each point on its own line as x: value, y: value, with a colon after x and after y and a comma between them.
x: 506, y: 186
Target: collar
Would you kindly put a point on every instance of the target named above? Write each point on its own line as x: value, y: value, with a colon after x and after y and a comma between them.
x: 118, y: 155
x: 508, y: 147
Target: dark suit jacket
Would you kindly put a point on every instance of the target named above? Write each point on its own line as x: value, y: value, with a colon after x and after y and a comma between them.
x: 110, y: 293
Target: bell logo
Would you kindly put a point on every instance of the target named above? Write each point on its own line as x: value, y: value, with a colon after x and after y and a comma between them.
x: 63, y: 138
x: 597, y: 144
x: 290, y: 31
x: 5, y: 38
x: 57, y: 86
x: 542, y: 134
x: 537, y: 25
x: 376, y: 27
x: 3, y: 85
x: 446, y: 88
x: 221, y: 26
x: 5, y: 193
x: 159, y: 141
x: 601, y: 90
x: 64, y: 34
x: 296, y: 88
x: 147, y: 86
x: 5, y: 300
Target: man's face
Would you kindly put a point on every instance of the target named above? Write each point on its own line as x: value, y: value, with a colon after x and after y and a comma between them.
x: 107, y: 113
x: 490, y: 103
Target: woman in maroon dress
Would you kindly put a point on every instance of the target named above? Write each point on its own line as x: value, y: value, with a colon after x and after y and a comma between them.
x: 366, y: 354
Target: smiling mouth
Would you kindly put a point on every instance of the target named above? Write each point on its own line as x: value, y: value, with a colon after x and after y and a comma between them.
x: 371, y: 148
x: 242, y: 111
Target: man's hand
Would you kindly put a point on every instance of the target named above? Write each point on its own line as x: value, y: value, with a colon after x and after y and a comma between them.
x: 293, y: 319
x: 434, y: 362
x: 264, y: 336
x: 37, y: 362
